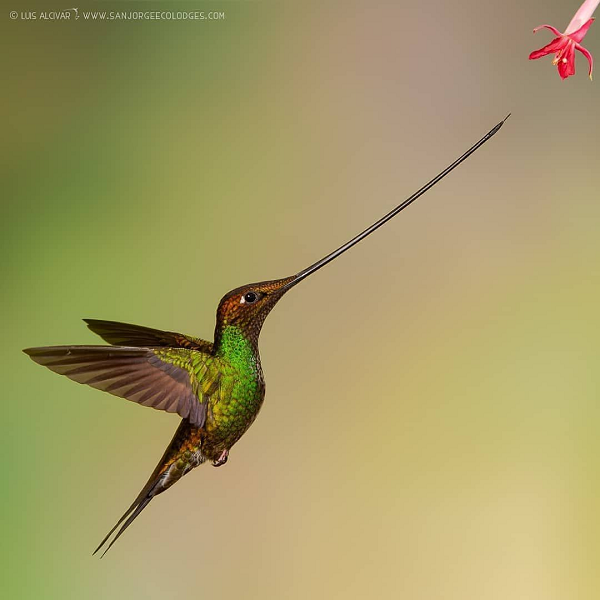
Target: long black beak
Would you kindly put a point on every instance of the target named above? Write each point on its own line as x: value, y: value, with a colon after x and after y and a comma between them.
x: 321, y: 263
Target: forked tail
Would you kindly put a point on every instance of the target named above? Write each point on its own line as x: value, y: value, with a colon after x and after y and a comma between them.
x: 164, y: 476
x: 132, y: 513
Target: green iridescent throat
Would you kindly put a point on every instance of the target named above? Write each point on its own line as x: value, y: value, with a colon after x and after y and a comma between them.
x: 237, y: 349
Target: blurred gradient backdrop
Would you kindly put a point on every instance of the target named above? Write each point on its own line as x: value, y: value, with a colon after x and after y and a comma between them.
x: 431, y: 426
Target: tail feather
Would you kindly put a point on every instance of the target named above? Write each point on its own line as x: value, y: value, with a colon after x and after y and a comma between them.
x: 148, y: 492
x: 138, y: 509
x: 113, y: 529
x: 151, y: 489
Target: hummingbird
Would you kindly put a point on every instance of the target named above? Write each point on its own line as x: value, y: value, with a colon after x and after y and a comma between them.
x: 217, y: 388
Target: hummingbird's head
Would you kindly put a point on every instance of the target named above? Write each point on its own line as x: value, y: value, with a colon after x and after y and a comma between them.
x: 247, y: 307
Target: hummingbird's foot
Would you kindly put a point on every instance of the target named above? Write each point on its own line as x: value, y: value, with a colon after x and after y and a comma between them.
x: 222, y: 459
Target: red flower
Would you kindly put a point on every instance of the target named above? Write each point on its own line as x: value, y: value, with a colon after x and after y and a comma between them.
x: 563, y: 47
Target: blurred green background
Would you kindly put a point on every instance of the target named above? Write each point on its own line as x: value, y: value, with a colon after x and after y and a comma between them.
x: 432, y: 416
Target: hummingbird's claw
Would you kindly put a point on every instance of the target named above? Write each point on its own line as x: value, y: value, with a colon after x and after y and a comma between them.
x: 222, y: 459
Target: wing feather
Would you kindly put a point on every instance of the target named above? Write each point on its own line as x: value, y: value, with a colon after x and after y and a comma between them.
x: 169, y: 379
x: 126, y: 334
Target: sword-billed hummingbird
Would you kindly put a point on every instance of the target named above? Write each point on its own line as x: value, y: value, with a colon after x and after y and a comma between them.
x: 217, y: 388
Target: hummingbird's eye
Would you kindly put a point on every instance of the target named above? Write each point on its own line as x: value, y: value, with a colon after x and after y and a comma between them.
x: 249, y: 298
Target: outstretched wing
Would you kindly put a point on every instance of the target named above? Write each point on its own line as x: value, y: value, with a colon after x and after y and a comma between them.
x: 176, y: 380
x: 125, y: 334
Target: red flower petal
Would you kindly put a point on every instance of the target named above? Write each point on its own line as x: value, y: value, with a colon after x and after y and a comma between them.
x: 552, y: 29
x: 588, y: 55
x: 566, y: 61
x: 580, y: 33
x: 554, y: 46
